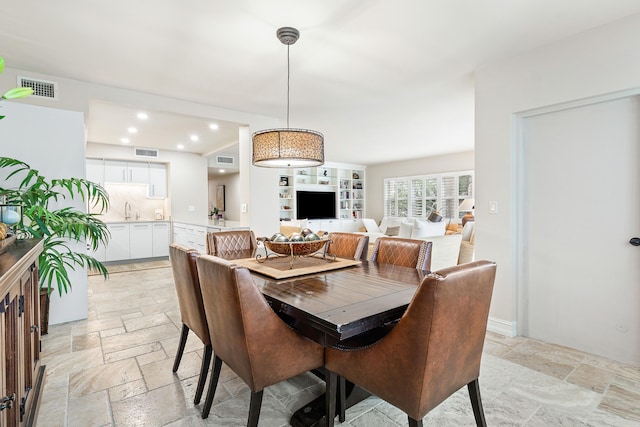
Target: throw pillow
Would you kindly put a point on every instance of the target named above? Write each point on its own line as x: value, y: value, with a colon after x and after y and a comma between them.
x: 371, y: 225
x: 405, y: 230
x: 422, y: 229
x: 392, y: 231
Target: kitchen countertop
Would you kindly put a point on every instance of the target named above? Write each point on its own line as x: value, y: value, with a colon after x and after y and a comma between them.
x: 223, y: 225
x: 129, y: 221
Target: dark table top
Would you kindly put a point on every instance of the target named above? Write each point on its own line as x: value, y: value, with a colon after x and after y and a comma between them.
x: 335, y: 305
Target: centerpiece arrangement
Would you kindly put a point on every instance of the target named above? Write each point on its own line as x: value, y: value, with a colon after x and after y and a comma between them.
x: 305, y: 243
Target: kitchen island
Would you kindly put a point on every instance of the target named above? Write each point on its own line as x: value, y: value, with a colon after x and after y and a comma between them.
x: 194, y: 235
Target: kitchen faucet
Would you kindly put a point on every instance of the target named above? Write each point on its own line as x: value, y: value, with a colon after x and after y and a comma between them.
x: 127, y: 210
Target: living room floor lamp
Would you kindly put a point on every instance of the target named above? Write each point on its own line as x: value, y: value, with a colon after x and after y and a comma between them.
x: 467, y: 205
x: 276, y: 148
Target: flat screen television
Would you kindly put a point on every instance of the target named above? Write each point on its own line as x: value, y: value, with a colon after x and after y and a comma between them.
x: 316, y: 204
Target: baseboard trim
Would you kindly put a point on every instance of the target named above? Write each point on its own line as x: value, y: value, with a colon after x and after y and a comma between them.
x: 502, y: 327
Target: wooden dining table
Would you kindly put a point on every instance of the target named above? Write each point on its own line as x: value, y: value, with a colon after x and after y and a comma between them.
x: 337, y: 306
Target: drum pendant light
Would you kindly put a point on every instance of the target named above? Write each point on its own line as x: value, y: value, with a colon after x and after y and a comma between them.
x: 286, y: 147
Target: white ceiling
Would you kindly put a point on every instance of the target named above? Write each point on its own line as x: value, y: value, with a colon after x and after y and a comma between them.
x: 371, y: 75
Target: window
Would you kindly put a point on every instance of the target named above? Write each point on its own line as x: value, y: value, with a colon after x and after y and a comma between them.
x: 418, y: 196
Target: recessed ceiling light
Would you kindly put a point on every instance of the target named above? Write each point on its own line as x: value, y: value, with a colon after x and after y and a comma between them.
x: 131, y: 129
x: 213, y: 126
x: 180, y: 146
x: 124, y: 140
x: 143, y: 116
x: 221, y: 170
x: 194, y: 138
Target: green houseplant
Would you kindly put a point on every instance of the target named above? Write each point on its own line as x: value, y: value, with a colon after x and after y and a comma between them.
x: 56, y: 226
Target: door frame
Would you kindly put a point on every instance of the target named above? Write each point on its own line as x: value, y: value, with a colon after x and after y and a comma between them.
x: 518, y: 164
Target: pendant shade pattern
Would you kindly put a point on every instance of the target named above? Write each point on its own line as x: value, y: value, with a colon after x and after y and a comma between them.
x: 286, y: 147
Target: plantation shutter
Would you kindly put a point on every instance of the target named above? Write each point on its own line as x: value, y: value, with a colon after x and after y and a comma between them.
x: 417, y: 198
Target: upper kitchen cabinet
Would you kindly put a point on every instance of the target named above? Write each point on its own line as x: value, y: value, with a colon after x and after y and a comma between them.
x: 126, y: 172
x: 95, y: 171
x: 154, y: 175
x: 157, y: 180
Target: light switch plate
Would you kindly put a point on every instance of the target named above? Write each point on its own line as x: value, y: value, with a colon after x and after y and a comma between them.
x: 493, y: 207
x: 243, y: 208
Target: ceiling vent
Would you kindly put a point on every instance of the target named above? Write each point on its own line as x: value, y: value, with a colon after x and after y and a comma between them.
x: 226, y: 160
x: 41, y: 88
x: 149, y: 153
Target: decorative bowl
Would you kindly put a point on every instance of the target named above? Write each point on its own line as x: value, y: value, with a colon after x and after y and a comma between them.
x: 296, y: 248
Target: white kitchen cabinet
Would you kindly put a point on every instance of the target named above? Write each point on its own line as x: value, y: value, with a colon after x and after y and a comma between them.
x: 126, y: 172
x: 118, y: 247
x: 157, y: 180
x: 140, y: 240
x: 160, y: 239
x: 191, y: 236
x: 95, y: 171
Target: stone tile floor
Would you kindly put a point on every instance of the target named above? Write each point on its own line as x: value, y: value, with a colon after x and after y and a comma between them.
x: 115, y: 369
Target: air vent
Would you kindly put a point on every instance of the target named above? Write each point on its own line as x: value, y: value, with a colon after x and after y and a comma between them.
x: 225, y: 160
x: 41, y: 88
x: 149, y: 153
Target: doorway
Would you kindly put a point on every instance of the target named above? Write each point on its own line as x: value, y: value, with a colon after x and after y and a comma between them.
x: 580, y: 207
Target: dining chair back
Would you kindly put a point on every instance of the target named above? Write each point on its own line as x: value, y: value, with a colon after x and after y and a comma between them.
x: 185, y: 278
x: 248, y: 335
x: 405, y: 252
x: 433, y: 351
x: 348, y: 245
x: 236, y: 241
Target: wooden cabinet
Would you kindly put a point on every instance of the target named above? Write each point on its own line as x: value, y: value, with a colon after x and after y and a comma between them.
x: 95, y: 171
x: 21, y: 373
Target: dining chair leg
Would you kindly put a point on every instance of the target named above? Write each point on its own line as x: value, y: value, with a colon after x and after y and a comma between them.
x: 342, y: 395
x: 204, y: 369
x: 476, y: 403
x: 330, y: 379
x: 415, y: 423
x: 213, y: 383
x: 183, y: 341
x: 254, y: 408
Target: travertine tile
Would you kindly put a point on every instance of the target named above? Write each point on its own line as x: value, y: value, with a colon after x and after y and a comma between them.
x: 83, y: 342
x: 91, y: 410
x: 127, y: 390
x: 159, y: 374
x: 144, y: 322
x: 139, y: 337
x: 133, y: 351
x: 621, y: 402
x: 103, y: 377
x: 590, y: 377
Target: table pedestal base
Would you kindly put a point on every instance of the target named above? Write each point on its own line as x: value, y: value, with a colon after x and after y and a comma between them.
x: 313, y: 413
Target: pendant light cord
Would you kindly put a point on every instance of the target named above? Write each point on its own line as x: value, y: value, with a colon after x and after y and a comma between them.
x: 288, y: 76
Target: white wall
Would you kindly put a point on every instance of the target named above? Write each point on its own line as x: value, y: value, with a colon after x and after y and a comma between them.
x: 232, y: 194
x: 436, y: 164
x: 600, y: 61
x: 51, y: 141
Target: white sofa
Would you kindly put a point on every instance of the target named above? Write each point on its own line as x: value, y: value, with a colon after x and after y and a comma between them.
x: 446, y: 249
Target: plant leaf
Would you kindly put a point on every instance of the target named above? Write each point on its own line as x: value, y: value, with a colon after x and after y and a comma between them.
x: 17, y: 92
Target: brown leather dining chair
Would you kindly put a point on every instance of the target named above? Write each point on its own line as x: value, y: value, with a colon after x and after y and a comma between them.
x: 348, y: 245
x: 247, y: 335
x: 433, y: 351
x: 235, y: 241
x: 405, y: 252
x: 185, y: 277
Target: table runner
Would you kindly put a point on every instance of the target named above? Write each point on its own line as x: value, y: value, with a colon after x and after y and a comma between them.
x: 278, y: 267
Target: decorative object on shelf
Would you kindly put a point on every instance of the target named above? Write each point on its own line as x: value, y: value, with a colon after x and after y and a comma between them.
x: 467, y: 205
x: 356, y: 176
x: 288, y: 147
x: 284, y: 181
